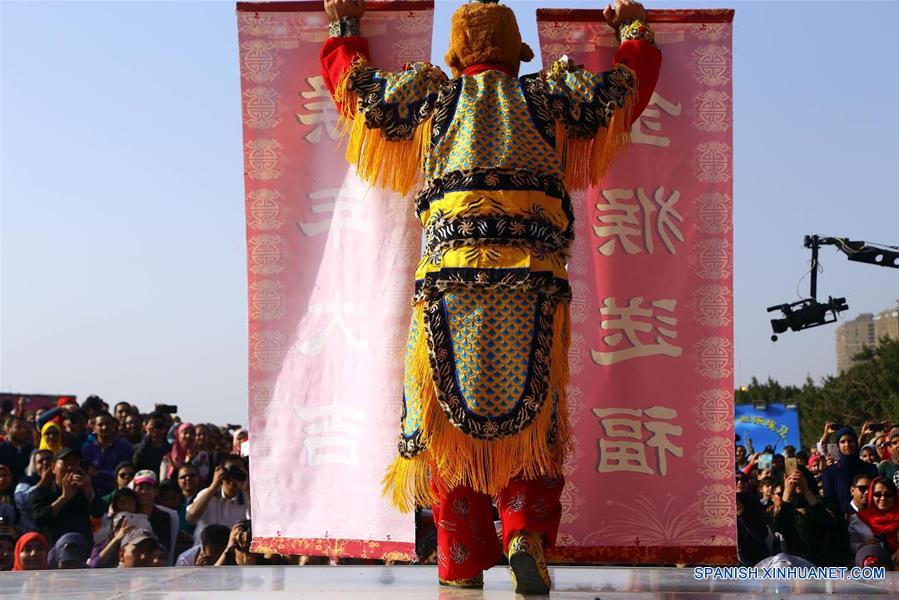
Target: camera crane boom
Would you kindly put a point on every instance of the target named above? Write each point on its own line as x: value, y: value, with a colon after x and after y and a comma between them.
x: 809, y: 313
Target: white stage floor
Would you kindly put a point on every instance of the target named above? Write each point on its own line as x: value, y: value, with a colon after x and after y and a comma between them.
x: 401, y: 583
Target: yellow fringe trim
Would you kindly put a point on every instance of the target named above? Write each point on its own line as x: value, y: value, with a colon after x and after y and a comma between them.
x: 386, y: 164
x: 484, y: 465
x: 586, y: 161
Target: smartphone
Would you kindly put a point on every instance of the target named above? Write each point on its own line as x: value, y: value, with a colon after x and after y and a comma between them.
x: 834, y: 451
x: 790, y: 465
x: 167, y: 408
x: 245, y: 448
x: 765, y: 461
x: 877, y: 427
x: 136, y: 520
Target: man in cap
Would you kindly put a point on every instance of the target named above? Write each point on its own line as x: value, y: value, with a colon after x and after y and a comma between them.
x: 140, y: 548
x: 66, y: 505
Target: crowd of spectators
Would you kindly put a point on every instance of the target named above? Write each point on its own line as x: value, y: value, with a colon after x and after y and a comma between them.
x: 834, y: 505
x: 83, y: 486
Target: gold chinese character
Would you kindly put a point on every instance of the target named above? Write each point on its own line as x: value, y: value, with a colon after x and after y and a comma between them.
x: 625, y: 323
x: 619, y: 454
x: 622, y: 225
x: 650, y: 119
x: 322, y: 111
x: 621, y: 220
x: 660, y: 432
x: 340, y: 211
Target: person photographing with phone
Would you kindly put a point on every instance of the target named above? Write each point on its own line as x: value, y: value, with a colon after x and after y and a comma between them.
x: 838, y: 476
x: 227, y: 499
x: 68, y: 502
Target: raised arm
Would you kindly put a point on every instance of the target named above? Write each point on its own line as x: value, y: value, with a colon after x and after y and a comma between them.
x: 345, y: 44
x: 596, y: 110
x: 637, y: 50
x: 387, y: 114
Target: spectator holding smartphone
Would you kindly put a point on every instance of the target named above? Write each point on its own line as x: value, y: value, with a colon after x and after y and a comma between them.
x: 114, y: 525
x: 67, y: 503
x: 227, y: 499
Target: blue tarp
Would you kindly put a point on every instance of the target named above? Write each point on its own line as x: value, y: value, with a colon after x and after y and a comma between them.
x: 777, y: 426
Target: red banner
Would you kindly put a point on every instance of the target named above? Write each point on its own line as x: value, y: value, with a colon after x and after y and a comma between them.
x: 330, y: 270
x: 652, y: 478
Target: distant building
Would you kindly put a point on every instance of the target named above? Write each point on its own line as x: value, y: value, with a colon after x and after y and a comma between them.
x: 852, y: 336
x: 886, y: 324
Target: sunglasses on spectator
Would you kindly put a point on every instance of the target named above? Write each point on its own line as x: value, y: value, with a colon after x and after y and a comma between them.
x: 187, y: 476
x: 126, y: 474
x: 780, y: 493
x: 862, y: 488
x: 883, y: 494
x: 158, y: 425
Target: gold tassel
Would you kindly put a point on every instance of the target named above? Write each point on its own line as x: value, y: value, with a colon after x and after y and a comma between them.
x: 407, y: 484
x: 484, y: 465
x: 588, y: 160
x: 393, y: 165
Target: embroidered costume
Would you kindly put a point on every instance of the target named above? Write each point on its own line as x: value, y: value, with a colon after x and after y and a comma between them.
x: 494, y: 154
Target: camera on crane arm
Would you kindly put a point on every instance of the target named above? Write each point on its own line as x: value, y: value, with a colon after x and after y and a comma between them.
x: 805, y: 314
x: 809, y: 313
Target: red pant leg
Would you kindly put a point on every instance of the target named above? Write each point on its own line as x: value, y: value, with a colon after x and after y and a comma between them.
x: 531, y: 505
x: 466, y: 537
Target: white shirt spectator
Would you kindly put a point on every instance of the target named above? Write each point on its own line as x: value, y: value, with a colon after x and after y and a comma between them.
x: 189, y: 557
x: 220, y: 511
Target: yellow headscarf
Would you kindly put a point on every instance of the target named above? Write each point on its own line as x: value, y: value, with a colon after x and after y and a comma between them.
x: 54, y: 448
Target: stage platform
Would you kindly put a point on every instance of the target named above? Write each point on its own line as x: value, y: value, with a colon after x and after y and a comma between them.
x: 408, y: 583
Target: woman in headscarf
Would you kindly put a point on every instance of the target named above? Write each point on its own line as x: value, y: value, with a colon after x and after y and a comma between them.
x: 31, y: 552
x: 752, y: 530
x: 869, y: 454
x: 51, y: 437
x: 70, y: 552
x: 184, y: 450
x: 878, y: 523
x: 838, y: 477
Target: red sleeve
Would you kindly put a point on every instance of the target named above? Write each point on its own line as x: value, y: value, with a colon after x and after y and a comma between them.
x: 644, y: 59
x: 338, y: 55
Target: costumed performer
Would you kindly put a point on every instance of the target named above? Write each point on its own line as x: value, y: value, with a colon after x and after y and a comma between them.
x: 486, y: 362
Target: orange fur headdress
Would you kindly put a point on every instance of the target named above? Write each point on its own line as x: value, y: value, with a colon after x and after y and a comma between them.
x: 485, y: 32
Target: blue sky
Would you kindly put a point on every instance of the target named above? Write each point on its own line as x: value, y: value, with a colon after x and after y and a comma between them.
x: 121, y: 189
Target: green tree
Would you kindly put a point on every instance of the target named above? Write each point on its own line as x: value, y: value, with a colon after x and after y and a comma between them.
x: 868, y: 391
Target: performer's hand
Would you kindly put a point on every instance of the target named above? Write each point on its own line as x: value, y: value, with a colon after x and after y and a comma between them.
x: 624, y: 12
x: 337, y: 9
